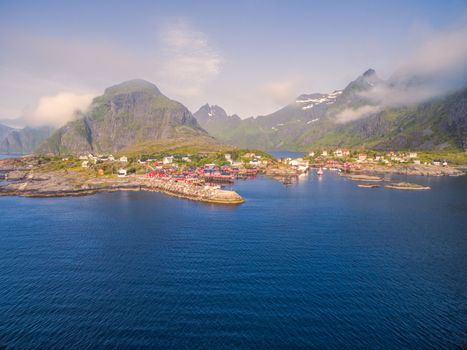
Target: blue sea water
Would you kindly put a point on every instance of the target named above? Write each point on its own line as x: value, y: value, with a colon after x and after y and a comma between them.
x: 319, y: 264
x: 287, y: 154
x: 5, y: 156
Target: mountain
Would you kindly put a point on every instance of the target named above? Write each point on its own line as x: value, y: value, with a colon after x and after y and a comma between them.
x: 4, y: 131
x: 347, y: 118
x: 215, y: 120
x: 25, y: 140
x: 132, y: 113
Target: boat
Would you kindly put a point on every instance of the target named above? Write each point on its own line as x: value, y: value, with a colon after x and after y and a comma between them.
x: 320, y: 172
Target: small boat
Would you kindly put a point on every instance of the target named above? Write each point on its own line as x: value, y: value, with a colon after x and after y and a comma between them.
x: 320, y: 172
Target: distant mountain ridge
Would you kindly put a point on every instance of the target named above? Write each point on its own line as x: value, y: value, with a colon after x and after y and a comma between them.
x: 4, y: 131
x: 135, y: 116
x: 24, y: 140
x: 328, y: 120
x: 131, y: 113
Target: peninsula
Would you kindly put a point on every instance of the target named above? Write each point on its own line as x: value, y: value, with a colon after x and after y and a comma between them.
x: 193, y: 176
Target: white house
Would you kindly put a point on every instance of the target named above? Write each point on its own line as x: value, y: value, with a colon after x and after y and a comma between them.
x: 85, y: 164
x: 300, y: 164
x: 186, y: 159
x: 362, y: 157
x: 413, y: 155
x: 121, y: 172
x: 123, y: 159
x: 311, y: 154
x: 324, y: 153
x: 338, y: 153
x: 168, y: 160
x: 111, y: 158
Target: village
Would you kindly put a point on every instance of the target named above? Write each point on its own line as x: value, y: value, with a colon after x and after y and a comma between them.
x: 202, y: 176
x: 346, y: 158
x: 225, y: 167
x: 210, y: 169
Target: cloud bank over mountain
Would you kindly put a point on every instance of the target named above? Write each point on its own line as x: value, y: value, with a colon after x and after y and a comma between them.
x: 436, y: 67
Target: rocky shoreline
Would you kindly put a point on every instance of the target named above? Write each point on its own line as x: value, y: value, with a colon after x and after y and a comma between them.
x: 28, y: 183
x: 412, y: 170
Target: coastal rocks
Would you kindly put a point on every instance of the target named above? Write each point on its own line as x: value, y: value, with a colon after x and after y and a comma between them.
x: 368, y: 185
x: 414, y: 170
x: 370, y: 178
x: 407, y: 186
x: 16, y: 175
x: 60, y: 184
x: 282, y: 174
x: 211, y: 194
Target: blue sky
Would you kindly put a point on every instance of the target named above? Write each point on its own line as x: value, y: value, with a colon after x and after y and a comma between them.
x: 250, y: 57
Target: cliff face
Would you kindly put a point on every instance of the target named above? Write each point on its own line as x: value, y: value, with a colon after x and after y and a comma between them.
x: 127, y: 114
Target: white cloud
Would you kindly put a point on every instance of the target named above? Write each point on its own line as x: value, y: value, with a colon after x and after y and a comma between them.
x: 58, y: 109
x: 281, y: 92
x: 351, y: 114
x: 189, y: 61
x: 58, y: 58
x: 440, y: 55
x: 436, y: 67
x: 182, y: 62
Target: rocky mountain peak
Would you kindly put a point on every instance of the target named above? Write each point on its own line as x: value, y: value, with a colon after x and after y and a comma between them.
x: 370, y: 72
x: 364, y: 82
x: 127, y: 114
x: 209, y: 112
x: 131, y: 86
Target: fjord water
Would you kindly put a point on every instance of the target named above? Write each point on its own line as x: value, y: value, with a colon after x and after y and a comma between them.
x: 319, y: 264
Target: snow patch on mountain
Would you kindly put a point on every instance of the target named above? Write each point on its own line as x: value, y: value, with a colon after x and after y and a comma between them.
x: 327, y: 98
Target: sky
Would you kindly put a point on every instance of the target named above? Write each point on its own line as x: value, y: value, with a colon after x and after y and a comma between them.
x: 250, y: 57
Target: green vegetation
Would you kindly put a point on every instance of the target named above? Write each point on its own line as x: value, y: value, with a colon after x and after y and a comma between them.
x: 174, y: 146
